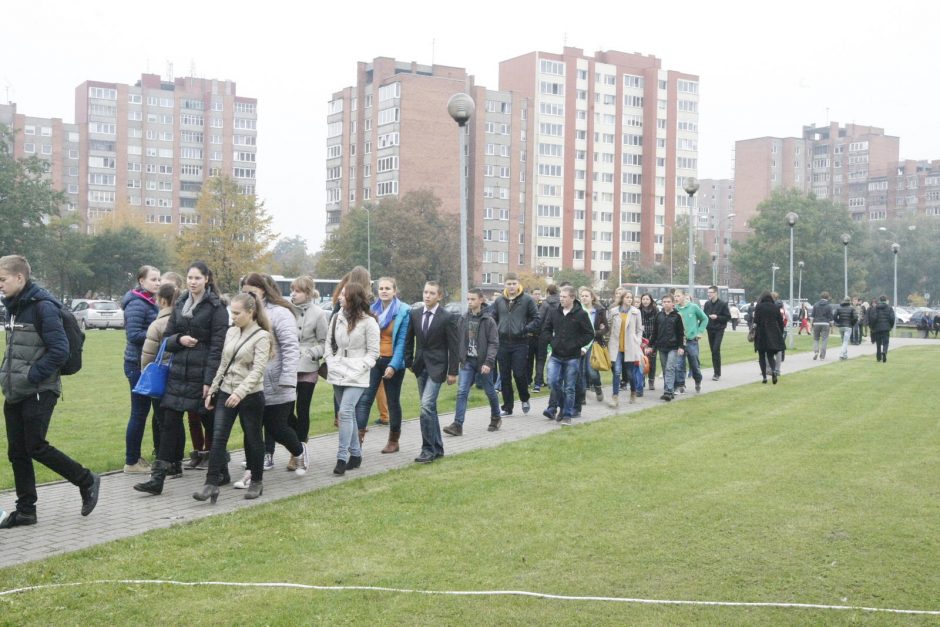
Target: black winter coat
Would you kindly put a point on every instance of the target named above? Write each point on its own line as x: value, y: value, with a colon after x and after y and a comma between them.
x: 568, y: 334
x: 768, y: 328
x: 194, y: 367
x: 881, y: 318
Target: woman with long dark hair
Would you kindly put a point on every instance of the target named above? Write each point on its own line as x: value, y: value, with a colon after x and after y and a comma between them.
x: 768, y: 335
x: 648, y: 311
x: 195, y: 334
x: 238, y: 390
x: 352, y: 348
x: 140, y: 309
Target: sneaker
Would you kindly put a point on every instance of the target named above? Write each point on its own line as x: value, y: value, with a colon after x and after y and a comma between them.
x: 505, y: 412
x: 16, y: 519
x: 137, y: 469
x: 550, y: 413
x: 244, y: 482
x: 537, y: 388
x: 244, y: 464
x: 698, y: 387
x: 716, y: 377
x: 268, y: 461
x: 526, y: 407
x: 566, y: 421
x: 599, y: 392
x: 303, y: 461
x: 90, y: 494
x: 681, y: 389
x: 453, y: 428
x: 495, y: 424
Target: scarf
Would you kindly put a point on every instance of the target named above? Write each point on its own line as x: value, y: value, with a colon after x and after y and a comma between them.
x: 190, y: 304
x: 388, y: 315
x: 147, y: 296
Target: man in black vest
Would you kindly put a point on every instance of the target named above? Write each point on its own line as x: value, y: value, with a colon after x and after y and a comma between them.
x: 431, y: 354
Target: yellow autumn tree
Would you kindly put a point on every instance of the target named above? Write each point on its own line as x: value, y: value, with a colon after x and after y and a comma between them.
x: 232, y: 236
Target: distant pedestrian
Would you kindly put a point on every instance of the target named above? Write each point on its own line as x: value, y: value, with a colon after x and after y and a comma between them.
x: 669, y: 340
x: 881, y: 320
x: 735, y: 316
x: 694, y: 322
x: 845, y: 318
x: 822, y: 323
x: 517, y: 318
x: 591, y: 378
x: 648, y: 311
x: 568, y: 330
x: 804, y: 318
x: 768, y: 335
x: 166, y: 299
x: 37, y: 347
x: 718, y: 317
x: 626, y: 347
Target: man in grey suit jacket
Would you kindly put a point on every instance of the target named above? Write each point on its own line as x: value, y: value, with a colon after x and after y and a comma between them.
x: 431, y: 353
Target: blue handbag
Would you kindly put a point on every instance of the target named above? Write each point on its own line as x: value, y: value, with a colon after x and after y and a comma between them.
x: 152, y: 381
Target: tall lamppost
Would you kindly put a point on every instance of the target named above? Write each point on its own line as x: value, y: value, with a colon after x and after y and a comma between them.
x: 895, y: 248
x: 799, y: 295
x: 691, y: 186
x: 368, y: 238
x: 773, y: 277
x: 714, y: 268
x: 460, y: 107
x: 846, y: 238
x: 792, y: 217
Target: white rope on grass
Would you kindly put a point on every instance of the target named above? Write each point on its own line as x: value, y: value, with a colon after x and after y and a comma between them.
x: 521, y: 593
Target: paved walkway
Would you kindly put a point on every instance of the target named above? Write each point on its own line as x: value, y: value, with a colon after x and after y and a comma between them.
x: 122, y: 512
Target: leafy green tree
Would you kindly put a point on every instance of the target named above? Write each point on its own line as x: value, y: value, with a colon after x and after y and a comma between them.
x: 114, y: 255
x: 62, y: 255
x: 410, y: 240
x: 232, y: 236
x: 817, y: 242
x: 290, y: 258
x: 676, y: 257
x: 577, y: 278
x: 27, y: 199
x: 918, y: 261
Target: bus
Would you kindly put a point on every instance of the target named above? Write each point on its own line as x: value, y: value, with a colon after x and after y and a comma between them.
x: 658, y: 290
x: 325, y: 287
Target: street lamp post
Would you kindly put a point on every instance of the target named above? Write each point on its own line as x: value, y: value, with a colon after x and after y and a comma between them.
x: 846, y: 238
x: 895, y: 248
x: 773, y: 277
x: 460, y: 107
x: 799, y: 295
x: 714, y: 268
x: 691, y: 186
x: 792, y: 218
x: 368, y: 239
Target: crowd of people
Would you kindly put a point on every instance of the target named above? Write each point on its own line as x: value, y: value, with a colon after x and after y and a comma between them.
x: 258, y: 356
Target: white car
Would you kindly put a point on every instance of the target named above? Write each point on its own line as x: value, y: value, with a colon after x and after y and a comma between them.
x: 903, y: 314
x: 98, y: 314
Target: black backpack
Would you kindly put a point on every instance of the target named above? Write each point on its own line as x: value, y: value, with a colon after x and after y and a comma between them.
x: 76, y: 342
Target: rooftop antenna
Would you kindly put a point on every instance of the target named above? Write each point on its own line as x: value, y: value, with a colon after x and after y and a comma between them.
x: 169, y: 71
x: 192, y: 68
x: 433, y: 49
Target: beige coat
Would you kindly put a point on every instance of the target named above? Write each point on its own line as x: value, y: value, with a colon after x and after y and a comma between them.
x: 154, y: 337
x: 246, y: 374
x: 356, y: 352
x: 633, y: 344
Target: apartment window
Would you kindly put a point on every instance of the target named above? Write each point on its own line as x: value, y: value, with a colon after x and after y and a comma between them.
x: 389, y: 116
x: 191, y: 119
x: 334, y: 151
x: 246, y: 123
x: 29, y: 148
x: 134, y: 99
x: 549, y: 211
x: 389, y: 139
x: 386, y: 188
x: 243, y: 173
x: 190, y: 152
x: 245, y: 107
x: 552, y: 67
x: 388, y: 92
x: 386, y: 164
x: 102, y: 93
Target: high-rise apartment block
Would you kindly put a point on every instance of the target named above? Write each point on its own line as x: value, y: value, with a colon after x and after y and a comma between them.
x: 855, y: 166
x: 51, y: 140
x: 716, y: 222
x: 151, y: 146
x: 573, y: 162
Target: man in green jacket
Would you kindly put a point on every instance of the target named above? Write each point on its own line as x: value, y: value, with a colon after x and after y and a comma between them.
x: 695, y: 322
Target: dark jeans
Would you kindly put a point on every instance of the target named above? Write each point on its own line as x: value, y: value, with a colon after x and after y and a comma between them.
x: 881, y: 342
x: 714, y: 342
x: 766, y: 359
x: 27, y: 423
x: 541, y: 355
x: 299, y: 420
x: 511, y: 358
x: 392, y: 395
x: 172, y: 436
x: 276, y: 428
x: 530, y: 359
x: 249, y: 411
x: 137, y: 423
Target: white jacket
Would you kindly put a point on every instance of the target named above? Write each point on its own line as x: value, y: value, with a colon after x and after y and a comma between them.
x: 355, y: 353
x: 311, y: 330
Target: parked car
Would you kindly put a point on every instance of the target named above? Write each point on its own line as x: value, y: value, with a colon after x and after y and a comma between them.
x: 903, y: 315
x: 98, y: 314
x: 919, y: 316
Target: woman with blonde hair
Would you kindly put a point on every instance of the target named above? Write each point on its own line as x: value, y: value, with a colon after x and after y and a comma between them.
x: 626, y: 346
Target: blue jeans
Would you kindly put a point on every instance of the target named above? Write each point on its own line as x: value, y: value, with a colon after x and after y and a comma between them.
x: 691, y: 355
x: 465, y: 378
x: 617, y: 367
x: 512, y: 357
x: 392, y: 393
x: 846, y: 336
x: 669, y: 359
x: 347, y: 397
x: 137, y: 423
x: 563, y: 375
x: 432, y: 442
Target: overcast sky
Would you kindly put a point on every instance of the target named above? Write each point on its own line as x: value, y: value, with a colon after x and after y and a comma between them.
x: 765, y: 68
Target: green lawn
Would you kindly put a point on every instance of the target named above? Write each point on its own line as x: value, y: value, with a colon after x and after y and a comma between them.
x: 91, y: 417
x: 822, y: 489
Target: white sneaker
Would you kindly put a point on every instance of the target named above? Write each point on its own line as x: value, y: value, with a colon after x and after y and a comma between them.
x: 268, y: 461
x: 245, y: 464
x: 244, y: 482
x: 302, y: 462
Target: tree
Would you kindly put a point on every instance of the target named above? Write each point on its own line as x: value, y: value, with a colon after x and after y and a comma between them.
x: 233, y: 233
x: 114, y: 256
x: 577, y: 278
x: 676, y: 256
x: 918, y: 262
x: 410, y: 240
x: 532, y: 281
x: 62, y: 255
x: 27, y: 199
x: 817, y: 242
x: 289, y: 257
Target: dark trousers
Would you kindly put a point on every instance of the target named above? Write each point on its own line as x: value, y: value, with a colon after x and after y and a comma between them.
x: 881, y: 343
x: 392, y: 395
x: 511, y: 358
x: 299, y: 420
x: 541, y: 355
x: 172, y: 436
x: 200, y: 429
x: 250, y: 412
x: 766, y: 359
x: 27, y: 424
x: 714, y: 343
x: 277, y: 429
x: 531, y: 359
x: 137, y: 423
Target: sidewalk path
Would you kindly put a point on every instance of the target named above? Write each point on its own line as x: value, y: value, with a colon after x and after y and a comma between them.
x: 123, y: 513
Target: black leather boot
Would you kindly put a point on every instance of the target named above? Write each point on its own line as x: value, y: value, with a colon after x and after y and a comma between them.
x: 157, y: 476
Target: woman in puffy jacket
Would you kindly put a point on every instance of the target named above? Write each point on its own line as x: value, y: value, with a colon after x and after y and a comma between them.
x: 389, y: 369
x: 140, y: 309
x: 195, y: 334
x: 352, y: 348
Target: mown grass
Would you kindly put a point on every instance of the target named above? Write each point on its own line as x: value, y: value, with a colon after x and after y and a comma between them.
x: 822, y: 489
